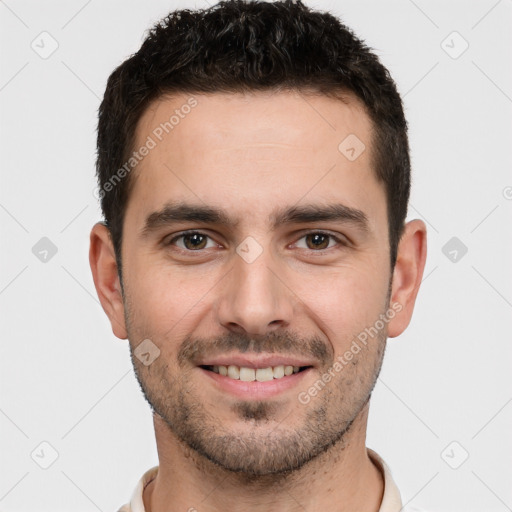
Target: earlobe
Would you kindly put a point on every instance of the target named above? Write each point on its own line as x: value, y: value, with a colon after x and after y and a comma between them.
x: 106, y: 278
x: 407, y: 275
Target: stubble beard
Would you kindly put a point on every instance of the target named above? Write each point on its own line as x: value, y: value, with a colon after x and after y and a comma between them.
x: 262, y: 447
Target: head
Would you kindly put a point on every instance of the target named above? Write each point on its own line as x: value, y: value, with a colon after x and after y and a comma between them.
x: 277, y: 140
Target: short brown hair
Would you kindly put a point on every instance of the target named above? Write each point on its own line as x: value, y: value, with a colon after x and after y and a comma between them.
x: 238, y: 46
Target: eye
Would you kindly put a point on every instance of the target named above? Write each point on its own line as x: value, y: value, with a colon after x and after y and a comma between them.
x: 194, y: 241
x: 318, y: 241
x: 191, y: 241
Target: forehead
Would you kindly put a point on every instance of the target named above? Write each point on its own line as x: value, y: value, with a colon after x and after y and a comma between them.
x: 253, y: 151
x: 224, y: 120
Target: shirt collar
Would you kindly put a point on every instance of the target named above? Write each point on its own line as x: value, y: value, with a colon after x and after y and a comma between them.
x: 391, y: 500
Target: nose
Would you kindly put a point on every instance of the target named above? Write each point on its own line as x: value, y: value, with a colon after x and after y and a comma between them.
x: 255, y: 298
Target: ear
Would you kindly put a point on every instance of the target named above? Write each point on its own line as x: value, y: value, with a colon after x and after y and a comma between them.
x: 106, y: 278
x: 407, y: 275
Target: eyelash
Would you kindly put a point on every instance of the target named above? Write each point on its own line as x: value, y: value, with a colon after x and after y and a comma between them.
x: 339, y: 241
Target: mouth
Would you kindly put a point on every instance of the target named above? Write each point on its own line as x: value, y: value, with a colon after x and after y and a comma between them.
x: 255, y: 378
x: 248, y: 374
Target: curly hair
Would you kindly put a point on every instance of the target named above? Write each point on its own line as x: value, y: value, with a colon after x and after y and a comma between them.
x: 238, y: 46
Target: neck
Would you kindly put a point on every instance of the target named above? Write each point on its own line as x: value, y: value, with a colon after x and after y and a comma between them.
x: 344, y: 475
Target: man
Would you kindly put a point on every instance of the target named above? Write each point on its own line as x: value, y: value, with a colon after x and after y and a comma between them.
x: 254, y: 177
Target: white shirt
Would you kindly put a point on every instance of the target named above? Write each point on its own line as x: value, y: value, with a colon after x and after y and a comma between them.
x: 391, y: 499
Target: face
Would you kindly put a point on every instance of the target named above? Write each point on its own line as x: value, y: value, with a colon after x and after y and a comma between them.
x: 254, y: 246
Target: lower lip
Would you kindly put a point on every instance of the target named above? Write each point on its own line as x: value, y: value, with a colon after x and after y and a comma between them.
x: 255, y: 390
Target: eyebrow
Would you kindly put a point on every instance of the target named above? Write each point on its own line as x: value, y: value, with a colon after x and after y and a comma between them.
x: 175, y: 212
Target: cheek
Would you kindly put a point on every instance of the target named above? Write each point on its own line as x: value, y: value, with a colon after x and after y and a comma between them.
x: 166, y: 299
x: 343, y: 303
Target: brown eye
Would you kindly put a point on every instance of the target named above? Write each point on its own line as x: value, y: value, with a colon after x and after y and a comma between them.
x: 321, y: 242
x: 193, y: 241
x: 317, y: 241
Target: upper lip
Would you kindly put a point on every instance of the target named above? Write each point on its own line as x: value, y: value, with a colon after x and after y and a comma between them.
x: 260, y: 361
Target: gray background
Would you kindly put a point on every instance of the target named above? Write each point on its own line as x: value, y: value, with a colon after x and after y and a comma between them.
x: 445, y: 389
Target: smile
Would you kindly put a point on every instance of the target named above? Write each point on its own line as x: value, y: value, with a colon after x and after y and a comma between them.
x: 255, y: 376
x: 247, y: 374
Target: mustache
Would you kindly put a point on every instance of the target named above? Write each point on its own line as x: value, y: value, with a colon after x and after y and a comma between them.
x: 192, y: 350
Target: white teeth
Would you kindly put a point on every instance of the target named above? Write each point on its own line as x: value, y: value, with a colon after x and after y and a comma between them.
x: 247, y: 374
x: 264, y: 374
x: 250, y: 374
x: 233, y: 371
x: 278, y: 372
